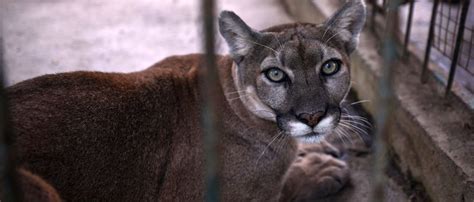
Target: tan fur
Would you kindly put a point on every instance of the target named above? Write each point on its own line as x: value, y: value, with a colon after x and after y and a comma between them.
x: 108, y: 136
x: 100, y: 136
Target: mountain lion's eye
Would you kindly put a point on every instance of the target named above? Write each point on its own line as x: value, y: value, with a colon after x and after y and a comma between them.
x: 275, y: 75
x: 331, y: 67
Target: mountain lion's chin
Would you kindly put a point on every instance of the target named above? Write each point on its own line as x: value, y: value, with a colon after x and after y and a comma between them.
x: 311, y: 138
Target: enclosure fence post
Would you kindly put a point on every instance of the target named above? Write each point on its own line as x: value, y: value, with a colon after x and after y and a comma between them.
x: 385, y: 103
x: 457, y: 47
x: 208, y: 88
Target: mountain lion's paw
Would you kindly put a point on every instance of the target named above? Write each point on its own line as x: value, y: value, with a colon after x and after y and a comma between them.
x: 313, y: 176
x: 322, y: 147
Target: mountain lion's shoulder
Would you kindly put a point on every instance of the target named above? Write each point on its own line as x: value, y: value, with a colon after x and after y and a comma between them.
x: 187, y: 63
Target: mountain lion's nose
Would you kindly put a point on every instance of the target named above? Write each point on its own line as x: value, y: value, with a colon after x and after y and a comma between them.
x: 311, y: 119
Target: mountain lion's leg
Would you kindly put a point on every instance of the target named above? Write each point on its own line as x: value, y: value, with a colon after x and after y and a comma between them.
x: 35, y: 188
x: 316, y: 173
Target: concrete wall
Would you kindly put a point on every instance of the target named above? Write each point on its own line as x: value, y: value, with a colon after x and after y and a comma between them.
x: 52, y: 36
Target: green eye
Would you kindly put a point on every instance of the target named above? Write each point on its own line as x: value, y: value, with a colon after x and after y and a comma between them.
x: 331, y: 67
x: 275, y: 75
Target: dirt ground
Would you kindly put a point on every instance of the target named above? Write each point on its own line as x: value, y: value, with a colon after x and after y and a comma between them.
x: 52, y: 36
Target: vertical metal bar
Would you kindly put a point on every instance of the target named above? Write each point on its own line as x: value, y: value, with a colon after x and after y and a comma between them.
x: 457, y: 47
x: 469, y: 53
x: 8, y: 183
x: 209, y: 88
x: 385, y: 102
x: 408, y: 28
x: 456, y: 20
x: 429, y: 43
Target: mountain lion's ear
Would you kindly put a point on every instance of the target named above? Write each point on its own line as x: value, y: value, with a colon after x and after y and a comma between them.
x: 238, y: 35
x: 347, y: 23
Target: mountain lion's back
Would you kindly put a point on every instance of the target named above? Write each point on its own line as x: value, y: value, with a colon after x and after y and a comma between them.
x: 93, y: 134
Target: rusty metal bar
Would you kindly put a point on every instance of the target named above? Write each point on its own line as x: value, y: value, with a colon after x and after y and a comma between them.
x: 9, y: 190
x: 429, y: 42
x: 408, y: 28
x: 457, y: 47
x: 385, y: 102
x: 209, y: 88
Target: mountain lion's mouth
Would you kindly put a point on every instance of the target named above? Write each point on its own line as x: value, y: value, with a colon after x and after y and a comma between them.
x: 312, y: 134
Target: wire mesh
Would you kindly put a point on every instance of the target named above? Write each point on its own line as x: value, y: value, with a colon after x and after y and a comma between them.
x: 452, y: 38
x: 460, y: 20
x: 445, y: 26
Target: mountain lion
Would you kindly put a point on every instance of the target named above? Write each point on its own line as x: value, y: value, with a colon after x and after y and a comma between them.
x: 97, y: 136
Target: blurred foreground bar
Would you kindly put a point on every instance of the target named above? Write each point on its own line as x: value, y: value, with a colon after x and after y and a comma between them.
x: 209, y: 89
x: 8, y: 186
x: 385, y: 102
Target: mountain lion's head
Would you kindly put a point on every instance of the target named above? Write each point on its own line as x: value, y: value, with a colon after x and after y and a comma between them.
x: 296, y: 75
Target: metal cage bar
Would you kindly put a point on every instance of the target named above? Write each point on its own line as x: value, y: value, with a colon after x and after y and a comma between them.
x: 457, y: 47
x: 446, y: 35
x: 430, y: 42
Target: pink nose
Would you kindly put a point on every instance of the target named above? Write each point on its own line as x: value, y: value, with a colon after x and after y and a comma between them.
x: 311, y: 119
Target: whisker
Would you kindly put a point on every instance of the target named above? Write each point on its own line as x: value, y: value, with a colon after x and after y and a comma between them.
x: 259, y: 44
x: 350, y: 133
x: 355, y: 131
x: 239, y: 91
x: 333, y: 36
x: 355, y: 127
x: 270, y: 112
x: 327, y: 29
x: 357, y: 122
x: 339, y: 136
x: 356, y: 118
x: 347, y: 113
x: 361, y: 121
x: 281, y: 46
x: 346, y: 134
x: 280, y: 144
x: 266, y: 148
x: 358, y: 102
x: 233, y: 99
